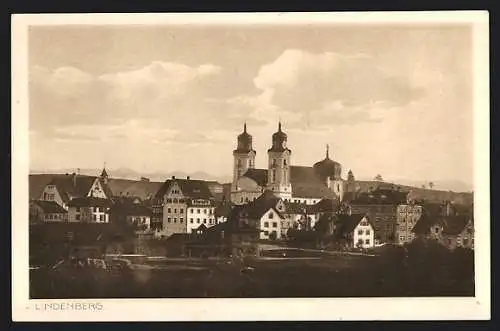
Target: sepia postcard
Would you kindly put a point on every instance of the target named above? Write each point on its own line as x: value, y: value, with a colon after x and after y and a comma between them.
x: 250, y: 167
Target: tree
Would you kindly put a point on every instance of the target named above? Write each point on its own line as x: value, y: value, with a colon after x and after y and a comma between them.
x: 379, y: 178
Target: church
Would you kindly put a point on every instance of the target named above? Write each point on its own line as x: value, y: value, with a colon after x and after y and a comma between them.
x: 300, y: 184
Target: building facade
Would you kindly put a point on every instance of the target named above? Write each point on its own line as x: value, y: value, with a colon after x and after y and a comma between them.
x: 89, y: 210
x: 407, y: 216
x: 182, y: 205
x: 288, y: 182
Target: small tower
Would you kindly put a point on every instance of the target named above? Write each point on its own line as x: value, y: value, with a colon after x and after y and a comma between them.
x: 278, y: 180
x: 104, y: 175
x: 244, y: 157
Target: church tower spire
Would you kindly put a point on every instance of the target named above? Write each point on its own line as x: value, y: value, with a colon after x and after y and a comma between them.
x: 244, y: 159
x: 278, y: 174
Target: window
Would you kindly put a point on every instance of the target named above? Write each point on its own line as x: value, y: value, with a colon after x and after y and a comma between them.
x: 181, y: 211
x: 191, y: 220
x: 284, y: 162
x: 271, y: 214
x: 275, y: 224
x: 205, y: 211
x: 96, y: 209
x: 360, y: 232
x: 436, y: 230
x: 168, y: 220
x: 175, y: 210
x: 78, y: 217
x: 246, y: 199
x: 266, y: 233
x: 175, y: 219
x: 367, y: 242
x: 175, y: 200
x: 466, y: 241
x: 198, y: 211
x: 198, y: 220
x: 204, y: 221
x: 402, y: 238
x: 367, y: 232
x: 102, y: 218
x: 169, y: 210
x: 266, y: 224
x: 94, y: 217
x: 181, y: 220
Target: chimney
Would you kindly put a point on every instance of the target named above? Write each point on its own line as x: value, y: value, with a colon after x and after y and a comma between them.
x: 173, y: 177
x: 187, y: 177
x: 73, y: 175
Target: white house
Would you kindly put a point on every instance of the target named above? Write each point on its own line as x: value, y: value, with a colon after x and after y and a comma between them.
x: 358, y: 230
x: 89, y: 210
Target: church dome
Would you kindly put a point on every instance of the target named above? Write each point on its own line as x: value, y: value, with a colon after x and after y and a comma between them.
x: 328, y: 168
x: 279, y: 141
x: 244, y: 141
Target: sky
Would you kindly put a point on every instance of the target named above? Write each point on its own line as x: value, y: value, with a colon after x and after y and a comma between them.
x: 390, y: 100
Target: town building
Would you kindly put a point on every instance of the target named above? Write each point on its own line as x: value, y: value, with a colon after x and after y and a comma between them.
x: 381, y: 206
x: 181, y: 205
x: 357, y: 230
x: 62, y: 189
x: 451, y: 227
x: 407, y: 216
x: 89, y: 210
x: 288, y: 182
x: 131, y: 211
x: 41, y: 211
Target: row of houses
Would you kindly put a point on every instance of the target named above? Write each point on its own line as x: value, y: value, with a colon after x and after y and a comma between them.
x: 182, y: 206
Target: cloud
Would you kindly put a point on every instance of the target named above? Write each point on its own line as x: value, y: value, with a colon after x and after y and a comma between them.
x: 329, y: 86
x: 166, y: 95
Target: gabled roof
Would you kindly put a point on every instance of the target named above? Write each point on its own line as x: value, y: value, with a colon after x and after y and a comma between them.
x: 349, y: 222
x: 454, y: 225
x: 327, y: 206
x: 294, y: 208
x: 191, y: 188
x: 50, y: 207
x: 89, y: 202
x: 135, y: 188
x: 258, y: 175
x: 267, y: 200
x: 428, y: 219
x: 71, y: 186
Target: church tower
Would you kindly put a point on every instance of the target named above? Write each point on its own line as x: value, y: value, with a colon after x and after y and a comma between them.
x: 278, y: 180
x: 244, y: 157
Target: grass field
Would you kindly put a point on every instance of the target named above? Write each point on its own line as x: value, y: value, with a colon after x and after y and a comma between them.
x: 320, y: 275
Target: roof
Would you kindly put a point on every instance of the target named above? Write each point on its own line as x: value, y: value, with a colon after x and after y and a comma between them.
x: 89, y: 202
x: 454, y: 225
x: 70, y: 186
x: 425, y: 222
x: 294, y: 208
x: 223, y: 209
x: 135, y: 188
x: 258, y: 175
x: 349, y: 222
x: 327, y: 205
x: 130, y: 209
x: 191, y: 188
x: 380, y: 197
x: 50, y: 207
x: 258, y: 207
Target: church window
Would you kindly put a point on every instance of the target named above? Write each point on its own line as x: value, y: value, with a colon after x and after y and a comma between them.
x: 284, y: 162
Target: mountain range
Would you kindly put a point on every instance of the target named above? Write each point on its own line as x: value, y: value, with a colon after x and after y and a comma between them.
x: 126, y: 173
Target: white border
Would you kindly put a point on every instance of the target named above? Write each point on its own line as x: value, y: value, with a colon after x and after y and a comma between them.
x: 475, y: 308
